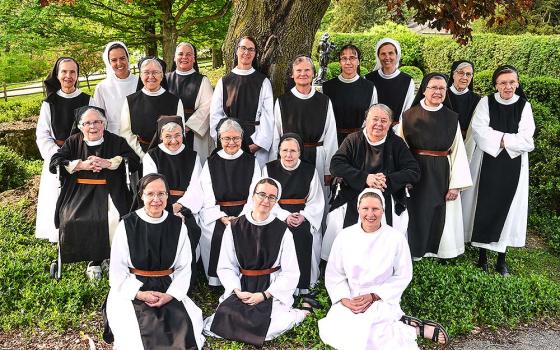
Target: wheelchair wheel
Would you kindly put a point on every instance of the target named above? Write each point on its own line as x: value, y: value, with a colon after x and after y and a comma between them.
x: 54, y: 270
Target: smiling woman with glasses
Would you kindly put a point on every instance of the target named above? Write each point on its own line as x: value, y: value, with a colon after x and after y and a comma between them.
x: 225, y: 181
x: 259, y: 270
x: 498, y: 144
x: 460, y: 91
x: 431, y: 130
x: 245, y: 94
x: 142, y: 109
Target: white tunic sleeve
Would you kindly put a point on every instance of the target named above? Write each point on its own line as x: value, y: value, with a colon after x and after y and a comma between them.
x: 330, y: 142
x: 228, y: 266
x: 373, y: 97
x: 276, y: 132
x: 265, y: 115
x: 256, y: 177
x: 98, y: 98
x: 148, y: 165
x: 486, y: 138
x: 522, y: 141
x: 216, y: 109
x: 44, y: 134
x: 126, y: 131
x: 459, y: 165
x: 408, y: 99
x: 336, y: 281
x: 182, y: 267
x: 314, y: 203
x: 199, y: 120
x: 285, y: 283
x: 193, y: 197
x: 120, y: 277
x: 210, y: 211
x: 392, y: 288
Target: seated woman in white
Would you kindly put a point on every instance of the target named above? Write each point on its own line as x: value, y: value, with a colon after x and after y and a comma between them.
x: 368, y: 270
x: 259, y: 270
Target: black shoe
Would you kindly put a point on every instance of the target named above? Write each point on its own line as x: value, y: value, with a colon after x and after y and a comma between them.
x: 483, y: 266
x: 502, y: 270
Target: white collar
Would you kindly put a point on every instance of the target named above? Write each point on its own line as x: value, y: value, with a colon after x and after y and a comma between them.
x: 266, y: 221
x: 94, y: 143
x: 236, y: 155
x: 189, y: 72
x: 154, y: 93
x: 168, y: 151
x: 351, y: 80
x: 142, y: 214
x: 302, y: 96
x: 506, y: 102
x: 388, y: 76
x: 240, y: 71
x: 292, y: 169
x: 70, y: 95
x: 457, y: 92
x: 428, y: 108
x: 380, y: 142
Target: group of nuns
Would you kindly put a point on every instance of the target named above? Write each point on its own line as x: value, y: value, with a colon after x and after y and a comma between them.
x: 158, y: 172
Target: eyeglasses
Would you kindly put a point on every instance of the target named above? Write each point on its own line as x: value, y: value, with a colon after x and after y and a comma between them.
x: 227, y: 139
x: 348, y: 59
x: 436, y: 88
x: 246, y: 49
x: 173, y: 137
x: 93, y: 122
x: 153, y: 195
x: 464, y: 74
x: 262, y: 196
x: 511, y: 83
x: 154, y: 74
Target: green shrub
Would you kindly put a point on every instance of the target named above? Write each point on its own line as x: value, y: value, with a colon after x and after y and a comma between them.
x: 414, y: 72
x: 213, y: 74
x: 19, y: 67
x: 14, y: 170
x: 333, y: 70
x: 20, y: 108
x: 548, y: 225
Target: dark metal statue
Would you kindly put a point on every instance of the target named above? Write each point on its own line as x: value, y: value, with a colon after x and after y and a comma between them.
x: 324, y: 49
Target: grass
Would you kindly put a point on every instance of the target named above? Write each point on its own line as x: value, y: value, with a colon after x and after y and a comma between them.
x: 455, y: 293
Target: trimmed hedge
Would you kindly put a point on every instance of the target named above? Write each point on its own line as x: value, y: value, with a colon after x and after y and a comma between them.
x: 20, y: 108
x: 530, y: 54
x: 14, y: 170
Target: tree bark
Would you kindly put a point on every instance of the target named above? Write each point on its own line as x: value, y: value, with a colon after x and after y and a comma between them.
x: 217, y: 58
x: 283, y: 29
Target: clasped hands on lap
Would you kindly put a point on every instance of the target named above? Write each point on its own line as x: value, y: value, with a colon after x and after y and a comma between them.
x: 154, y: 299
x: 360, y: 303
x: 93, y: 163
x: 378, y: 181
x: 251, y: 298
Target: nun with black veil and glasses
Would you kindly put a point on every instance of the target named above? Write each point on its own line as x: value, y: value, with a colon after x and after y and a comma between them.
x: 460, y: 91
x: 431, y: 130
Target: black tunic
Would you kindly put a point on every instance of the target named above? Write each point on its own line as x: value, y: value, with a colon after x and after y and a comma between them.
x: 186, y: 87
x: 350, y: 102
x: 356, y: 159
x: 391, y: 92
x: 433, y: 131
x: 295, y: 185
x: 305, y: 117
x: 144, y: 112
x: 257, y: 248
x: 464, y: 105
x: 241, y: 100
x: 178, y: 171
x: 499, y: 176
x: 153, y: 247
x: 231, y: 179
x: 81, y: 209
x: 63, y: 113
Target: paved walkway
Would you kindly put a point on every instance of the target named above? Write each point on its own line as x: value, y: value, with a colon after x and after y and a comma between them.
x: 523, y: 339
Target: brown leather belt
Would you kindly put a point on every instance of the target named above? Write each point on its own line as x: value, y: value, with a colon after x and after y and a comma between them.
x: 141, y: 140
x: 59, y: 142
x: 253, y: 273
x: 312, y: 144
x: 176, y: 192
x: 91, y: 181
x: 231, y: 203
x: 146, y: 273
x: 292, y: 201
x: 347, y: 131
x: 425, y: 152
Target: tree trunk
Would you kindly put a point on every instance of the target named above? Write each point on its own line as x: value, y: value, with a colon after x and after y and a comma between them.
x: 150, y: 47
x: 169, y: 42
x: 283, y: 29
x: 217, y: 58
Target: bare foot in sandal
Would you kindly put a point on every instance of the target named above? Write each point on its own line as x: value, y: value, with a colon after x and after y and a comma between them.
x: 433, y: 331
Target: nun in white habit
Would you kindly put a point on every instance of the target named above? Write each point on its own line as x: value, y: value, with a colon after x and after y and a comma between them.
x: 368, y: 270
x: 110, y: 94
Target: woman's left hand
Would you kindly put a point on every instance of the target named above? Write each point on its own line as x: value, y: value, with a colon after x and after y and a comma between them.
x: 99, y: 162
x: 254, y: 299
x: 452, y: 194
x: 295, y: 219
x: 164, y: 298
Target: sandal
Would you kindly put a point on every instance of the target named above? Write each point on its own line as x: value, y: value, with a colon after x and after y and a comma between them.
x: 411, y: 321
x: 310, y: 299
x: 438, y: 328
x: 309, y: 308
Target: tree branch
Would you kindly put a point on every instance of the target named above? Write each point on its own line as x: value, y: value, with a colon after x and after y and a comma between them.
x: 128, y: 15
x: 183, y: 9
x: 220, y: 13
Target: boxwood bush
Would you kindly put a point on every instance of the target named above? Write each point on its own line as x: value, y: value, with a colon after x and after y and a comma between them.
x: 15, y: 170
